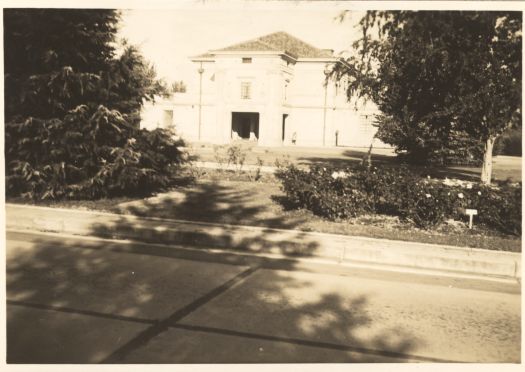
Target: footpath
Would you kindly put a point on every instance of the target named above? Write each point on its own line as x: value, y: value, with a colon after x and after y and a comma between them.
x: 270, y: 242
x: 235, y: 167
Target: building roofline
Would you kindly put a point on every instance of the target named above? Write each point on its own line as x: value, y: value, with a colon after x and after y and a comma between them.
x: 202, y: 59
x: 279, y: 41
x: 325, y: 60
x: 318, y: 59
x: 253, y: 52
x: 210, y: 57
x: 214, y: 53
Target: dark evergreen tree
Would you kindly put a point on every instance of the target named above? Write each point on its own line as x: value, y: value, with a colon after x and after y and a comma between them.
x: 54, y: 59
x: 72, y: 106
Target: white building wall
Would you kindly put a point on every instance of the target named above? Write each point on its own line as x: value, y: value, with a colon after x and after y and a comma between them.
x: 318, y: 109
x: 151, y: 116
x: 307, y: 86
x: 277, y: 87
x: 263, y: 75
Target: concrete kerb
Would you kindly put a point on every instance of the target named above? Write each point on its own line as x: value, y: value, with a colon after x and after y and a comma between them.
x: 339, y: 248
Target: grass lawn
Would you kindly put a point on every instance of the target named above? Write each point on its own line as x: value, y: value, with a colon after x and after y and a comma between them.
x: 214, y: 198
x: 504, y: 167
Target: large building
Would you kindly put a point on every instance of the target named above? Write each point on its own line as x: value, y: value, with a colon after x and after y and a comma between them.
x: 271, y: 90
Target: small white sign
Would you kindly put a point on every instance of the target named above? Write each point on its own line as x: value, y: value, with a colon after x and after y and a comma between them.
x: 471, y: 212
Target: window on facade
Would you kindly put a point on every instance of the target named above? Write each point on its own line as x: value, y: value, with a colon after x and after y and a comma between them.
x: 366, y: 125
x: 246, y: 90
x: 167, y: 119
x: 247, y: 60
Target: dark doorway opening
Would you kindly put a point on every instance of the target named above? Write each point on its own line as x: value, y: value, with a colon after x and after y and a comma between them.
x: 285, y: 116
x: 245, y: 125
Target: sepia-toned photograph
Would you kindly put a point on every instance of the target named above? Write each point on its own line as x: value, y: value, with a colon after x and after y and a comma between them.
x: 258, y: 182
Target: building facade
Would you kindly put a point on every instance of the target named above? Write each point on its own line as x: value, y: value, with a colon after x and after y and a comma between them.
x: 271, y: 90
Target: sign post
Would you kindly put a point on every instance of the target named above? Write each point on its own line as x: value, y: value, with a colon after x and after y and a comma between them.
x: 471, y: 213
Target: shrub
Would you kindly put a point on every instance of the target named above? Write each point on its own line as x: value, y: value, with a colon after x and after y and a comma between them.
x: 507, y: 217
x: 387, y: 187
x: 459, y: 150
x: 230, y: 155
x: 509, y: 143
x: 260, y: 163
x: 219, y: 159
x: 351, y: 192
x: 498, y: 208
x: 337, y: 195
x: 428, y: 204
x: 88, y: 155
x: 325, y: 191
x: 236, y: 156
x: 295, y: 183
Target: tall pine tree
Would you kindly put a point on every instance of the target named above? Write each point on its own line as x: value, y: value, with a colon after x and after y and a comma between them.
x: 72, y: 107
x: 54, y: 59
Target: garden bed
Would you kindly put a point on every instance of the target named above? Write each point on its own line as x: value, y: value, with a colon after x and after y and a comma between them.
x: 222, y: 198
x: 424, y: 202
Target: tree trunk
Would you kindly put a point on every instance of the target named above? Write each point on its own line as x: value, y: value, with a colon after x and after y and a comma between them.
x: 367, y: 159
x: 486, y: 170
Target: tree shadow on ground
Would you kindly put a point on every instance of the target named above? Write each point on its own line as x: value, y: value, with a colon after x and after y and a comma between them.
x: 73, y: 301
x: 210, y: 202
x: 207, y: 202
x: 348, y: 158
x: 466, y: 173
x: 92, y: 301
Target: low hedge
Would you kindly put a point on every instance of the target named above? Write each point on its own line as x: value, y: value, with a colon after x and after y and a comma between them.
x: 350, y: 192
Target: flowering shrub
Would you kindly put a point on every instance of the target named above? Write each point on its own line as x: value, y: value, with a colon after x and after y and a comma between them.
x: 335, y: 193
x: 428, y: 204
x: 323, y: 192
x: 388, y: 187
x: 499, y: 208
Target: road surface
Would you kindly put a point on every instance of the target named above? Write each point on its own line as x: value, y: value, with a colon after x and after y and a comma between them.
x: 78, y: 300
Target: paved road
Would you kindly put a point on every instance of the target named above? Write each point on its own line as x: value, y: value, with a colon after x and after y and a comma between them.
x: 75, y: 300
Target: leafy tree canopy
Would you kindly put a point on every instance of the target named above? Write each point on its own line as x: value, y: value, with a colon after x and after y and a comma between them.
x: 442, y: 80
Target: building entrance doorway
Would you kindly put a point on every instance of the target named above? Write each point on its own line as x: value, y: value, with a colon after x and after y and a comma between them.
x: 245, y: 125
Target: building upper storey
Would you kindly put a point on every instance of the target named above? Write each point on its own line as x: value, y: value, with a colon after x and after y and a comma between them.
x: 277, y: 68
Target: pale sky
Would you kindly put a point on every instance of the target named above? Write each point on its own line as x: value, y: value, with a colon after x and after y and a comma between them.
x: 167, y: 37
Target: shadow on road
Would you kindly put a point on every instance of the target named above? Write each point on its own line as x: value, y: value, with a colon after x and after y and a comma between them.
x: 85, y: 301
x: 90, y: 302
